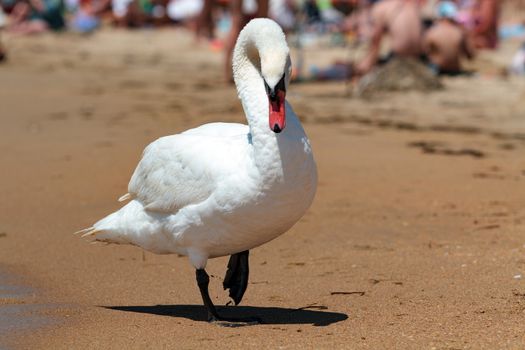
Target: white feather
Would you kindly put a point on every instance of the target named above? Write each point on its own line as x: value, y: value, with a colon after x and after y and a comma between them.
x: 124, y: 197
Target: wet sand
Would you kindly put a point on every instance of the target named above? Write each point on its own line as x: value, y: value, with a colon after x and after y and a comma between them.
x: 19, y: 311
x: 416, y: 238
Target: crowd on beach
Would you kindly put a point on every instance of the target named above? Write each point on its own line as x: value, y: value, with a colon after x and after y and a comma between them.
x: 438, y: 33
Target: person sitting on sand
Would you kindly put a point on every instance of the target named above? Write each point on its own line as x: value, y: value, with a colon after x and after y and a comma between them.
x: 445, y: 43
x: 485, y: 15
x: 87, y: 16
x: 400, y: 20
x: 36, y: 16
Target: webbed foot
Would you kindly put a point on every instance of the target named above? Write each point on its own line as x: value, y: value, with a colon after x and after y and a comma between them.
x: 236, y: 278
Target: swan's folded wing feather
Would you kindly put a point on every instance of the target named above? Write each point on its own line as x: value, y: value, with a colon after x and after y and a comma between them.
x: 172, y: 174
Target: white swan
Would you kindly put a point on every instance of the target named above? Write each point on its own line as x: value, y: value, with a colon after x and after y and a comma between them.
x: 222, y: 189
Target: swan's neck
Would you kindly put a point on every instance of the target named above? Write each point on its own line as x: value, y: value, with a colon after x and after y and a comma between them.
x: 252, y: 93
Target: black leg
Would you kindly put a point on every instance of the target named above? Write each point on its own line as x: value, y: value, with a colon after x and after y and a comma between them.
x: 236, y: 279
x: 203, y: 281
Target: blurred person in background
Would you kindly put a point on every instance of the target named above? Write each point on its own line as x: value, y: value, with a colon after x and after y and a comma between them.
x: 35, y: 16
x: 359, y: 21
x: 120, y: 11
x: 485, y: 18
x: 401, y: 21
x: 428, y: 12
x: 87, y: 14
x: 205, y: 25
x: 327, y: 12
x: 184, y: 11
x: 464, y: 16
x: 3, y: 22
x: 283, y: 12
x: 138, y: 13
x: 241, y: 12
x: 446, y: 42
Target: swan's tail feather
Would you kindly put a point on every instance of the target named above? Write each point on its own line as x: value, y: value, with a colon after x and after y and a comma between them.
x: 109, y: 229
x: 124, y: 197
x: 129, y: 225
x: 84, y: 231
x: 91, y: 232
x: 99, y: 228
x: 121, y: 227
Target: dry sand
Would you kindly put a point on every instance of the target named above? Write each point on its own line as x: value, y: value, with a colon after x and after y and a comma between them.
x: 416, y: 238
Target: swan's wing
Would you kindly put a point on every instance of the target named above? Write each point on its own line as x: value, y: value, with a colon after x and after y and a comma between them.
x: 169, y: 175
x: 179, y: 170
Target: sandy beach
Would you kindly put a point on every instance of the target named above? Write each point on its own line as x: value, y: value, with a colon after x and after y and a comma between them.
x: 416, y: 238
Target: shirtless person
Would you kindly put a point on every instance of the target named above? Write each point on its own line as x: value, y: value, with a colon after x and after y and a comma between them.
x: 445, y: 43
x: 400, y: 19
x: 485, y: 14
x: 204, y: 24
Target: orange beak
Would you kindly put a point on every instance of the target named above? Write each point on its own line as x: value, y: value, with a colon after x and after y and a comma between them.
x: 277, y: 116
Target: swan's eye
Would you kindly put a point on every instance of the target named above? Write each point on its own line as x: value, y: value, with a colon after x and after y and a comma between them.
x: 281, y: 86
x: 268, y: 90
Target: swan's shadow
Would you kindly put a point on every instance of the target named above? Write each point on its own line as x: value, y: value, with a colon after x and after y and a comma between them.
x: 268, y: 315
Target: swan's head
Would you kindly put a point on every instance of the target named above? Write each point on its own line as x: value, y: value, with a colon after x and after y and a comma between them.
x: 263, y: 43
